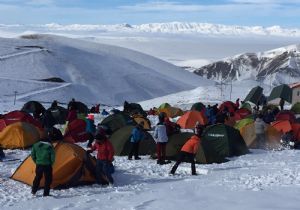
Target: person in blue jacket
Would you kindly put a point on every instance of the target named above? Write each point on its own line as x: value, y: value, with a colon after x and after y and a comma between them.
x: 137, y: 135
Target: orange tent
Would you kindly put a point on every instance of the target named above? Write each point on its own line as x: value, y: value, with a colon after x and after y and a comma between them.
x: 282, y: 126
x: 72, y: 166
x: 19, y: 135
x: 190, y: 118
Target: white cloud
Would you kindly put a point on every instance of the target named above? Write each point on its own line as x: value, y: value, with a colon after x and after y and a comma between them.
x: 164, y: 6
x: 269, y: 2
x: 40, y: 2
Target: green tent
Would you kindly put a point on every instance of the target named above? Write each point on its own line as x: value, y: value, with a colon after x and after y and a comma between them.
x: 220, y: 141
x: 254, y: 94
x: 120, y: 140
x: 246, y: 106
x: 164, y: 106
x: 176, y: 141
x: 198, y: 106
x: 281, y: 91
x: 117, y: 121
x: 243, y: 123
x: 296, y: 108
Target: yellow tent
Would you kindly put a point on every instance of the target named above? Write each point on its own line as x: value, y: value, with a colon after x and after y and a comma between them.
x: 172, y: 112
x: 147, y: 124
x: 272, y: 136
x: 19, y: 135
x: 72, y: 167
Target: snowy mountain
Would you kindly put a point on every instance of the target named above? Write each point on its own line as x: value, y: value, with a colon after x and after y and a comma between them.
x: 46, y: 67
x: 277, y: 66
x: 169, y: 27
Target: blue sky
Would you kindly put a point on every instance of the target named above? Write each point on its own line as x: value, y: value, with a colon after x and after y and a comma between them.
x: 285, y: 13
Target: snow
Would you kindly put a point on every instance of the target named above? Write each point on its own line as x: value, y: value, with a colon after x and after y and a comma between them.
x: 93, y: 73
x: 260, y: 180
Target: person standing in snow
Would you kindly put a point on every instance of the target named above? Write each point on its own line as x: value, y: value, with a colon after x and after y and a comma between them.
x: 137, y: 135
x: 189, y: 150
x: 105, y: 156
x: 43, y: 155
x: 260, y: 129
x: 90, y: 129
x: 161, y: 139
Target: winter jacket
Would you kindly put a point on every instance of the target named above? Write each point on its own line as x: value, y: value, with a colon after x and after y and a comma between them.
x: 90, y: 126
x: 72, y: 115
x: 160, y: 133
x: 192, y: 145
x: 105, y: 150
x: 42, y: 153
x: 260, y: 126
x: 137, y: 135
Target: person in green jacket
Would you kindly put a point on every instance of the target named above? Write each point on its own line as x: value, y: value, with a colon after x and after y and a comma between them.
x: 43, y: 156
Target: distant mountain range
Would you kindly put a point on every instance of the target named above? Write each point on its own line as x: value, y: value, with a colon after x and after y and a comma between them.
x: 171, y: 27
x: 277, y: 66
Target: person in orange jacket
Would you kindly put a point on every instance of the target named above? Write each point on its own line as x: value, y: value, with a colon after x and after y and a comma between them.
x: 189, y: 150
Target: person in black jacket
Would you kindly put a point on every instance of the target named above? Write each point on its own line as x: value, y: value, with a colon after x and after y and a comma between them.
x: 47, y: 121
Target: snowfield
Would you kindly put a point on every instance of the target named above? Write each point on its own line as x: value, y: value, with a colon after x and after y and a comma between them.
x: 88, y: 71
x: 260, y: 180
x: 99, y: 73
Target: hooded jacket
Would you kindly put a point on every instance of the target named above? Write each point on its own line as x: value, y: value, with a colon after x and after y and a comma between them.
x: 105, y: 150
x: 42, y: 153
x: 160, y: 133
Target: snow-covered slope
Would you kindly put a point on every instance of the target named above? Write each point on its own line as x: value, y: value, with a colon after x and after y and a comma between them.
x: 272, y: 67
x: 168, y: 27
x: 88, y: 71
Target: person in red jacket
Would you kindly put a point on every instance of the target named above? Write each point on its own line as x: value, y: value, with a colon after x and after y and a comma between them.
x: 105, y: 157
x: 189, y: 150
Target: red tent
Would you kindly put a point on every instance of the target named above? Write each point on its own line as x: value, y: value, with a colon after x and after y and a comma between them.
x: 243, y: 113
x: 18, y: 116
x: 76, y: 131
x: 286, y: 115
x: 230, y: 106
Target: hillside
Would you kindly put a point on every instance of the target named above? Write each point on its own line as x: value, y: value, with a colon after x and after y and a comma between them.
x: 87, y: 71
x: 273, y: 67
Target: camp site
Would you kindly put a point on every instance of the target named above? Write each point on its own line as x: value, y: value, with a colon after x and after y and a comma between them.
x: 149, y: 105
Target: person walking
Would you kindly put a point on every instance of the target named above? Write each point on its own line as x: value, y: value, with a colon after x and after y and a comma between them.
x: 43, y: 155
x: 105, y: 156
x: 189, y: 150
x: 161, y: 139
x: 137, y: 135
